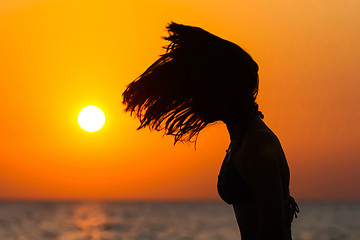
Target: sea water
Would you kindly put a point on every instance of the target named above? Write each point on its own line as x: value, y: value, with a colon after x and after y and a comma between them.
x: 161, y: 221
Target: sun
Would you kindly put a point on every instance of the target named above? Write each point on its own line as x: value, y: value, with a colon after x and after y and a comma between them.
x: 91, y: 118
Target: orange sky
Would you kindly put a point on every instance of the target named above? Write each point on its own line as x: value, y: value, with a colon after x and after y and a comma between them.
x: 57, y: 57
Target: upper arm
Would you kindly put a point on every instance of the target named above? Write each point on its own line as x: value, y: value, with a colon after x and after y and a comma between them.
x: 258, y: 164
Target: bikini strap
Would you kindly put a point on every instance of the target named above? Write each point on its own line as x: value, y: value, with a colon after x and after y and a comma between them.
x: 293, y: 208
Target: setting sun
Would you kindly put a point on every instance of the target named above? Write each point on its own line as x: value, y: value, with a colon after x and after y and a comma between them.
x: 91, y: 118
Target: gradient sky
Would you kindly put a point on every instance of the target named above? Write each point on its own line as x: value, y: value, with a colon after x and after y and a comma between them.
x: 57, y: 57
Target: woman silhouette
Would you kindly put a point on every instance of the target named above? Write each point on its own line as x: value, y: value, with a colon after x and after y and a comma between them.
x: 202, y: 79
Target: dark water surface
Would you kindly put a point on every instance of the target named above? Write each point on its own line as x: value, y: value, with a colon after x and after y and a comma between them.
x: 161, y: 221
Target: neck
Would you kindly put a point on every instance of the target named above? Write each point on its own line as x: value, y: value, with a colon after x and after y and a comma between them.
x: 236, y: 126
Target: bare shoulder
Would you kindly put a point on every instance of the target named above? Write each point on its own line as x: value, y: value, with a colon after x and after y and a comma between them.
x: 259, y: 148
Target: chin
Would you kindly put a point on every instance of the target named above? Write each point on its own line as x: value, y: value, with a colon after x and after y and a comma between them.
x: 207, y: 114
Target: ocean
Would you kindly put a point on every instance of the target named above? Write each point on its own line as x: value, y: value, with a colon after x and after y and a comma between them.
x: 161, y: 221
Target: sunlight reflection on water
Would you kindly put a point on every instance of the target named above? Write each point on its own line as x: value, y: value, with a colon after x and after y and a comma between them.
x: 89, y: 219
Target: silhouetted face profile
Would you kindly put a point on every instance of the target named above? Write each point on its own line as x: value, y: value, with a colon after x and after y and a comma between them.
x: 200, y: 79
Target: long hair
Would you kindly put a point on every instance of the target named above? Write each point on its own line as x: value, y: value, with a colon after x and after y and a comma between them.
x: 163, y: 97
